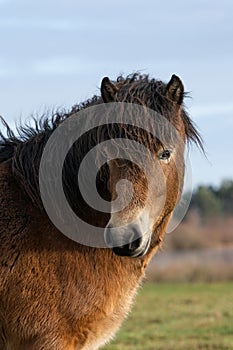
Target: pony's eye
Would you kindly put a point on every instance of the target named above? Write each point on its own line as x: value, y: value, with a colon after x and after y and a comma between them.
x: 165, y: 155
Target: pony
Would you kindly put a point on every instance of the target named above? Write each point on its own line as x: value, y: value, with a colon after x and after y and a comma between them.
x: 57, y: 293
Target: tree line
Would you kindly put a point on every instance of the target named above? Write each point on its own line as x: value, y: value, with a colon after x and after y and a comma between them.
x: 210, y: 201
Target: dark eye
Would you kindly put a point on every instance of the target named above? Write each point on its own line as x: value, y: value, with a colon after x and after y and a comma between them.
x: 165, y: 154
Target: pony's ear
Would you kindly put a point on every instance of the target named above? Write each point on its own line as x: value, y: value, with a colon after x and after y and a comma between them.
x: 175, y: 90
x: 108, y: 90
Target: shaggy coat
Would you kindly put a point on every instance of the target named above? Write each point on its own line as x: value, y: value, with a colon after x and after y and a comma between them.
x: 56, y: 294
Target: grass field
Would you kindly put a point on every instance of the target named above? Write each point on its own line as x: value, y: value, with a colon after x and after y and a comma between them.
x: 179, y: 316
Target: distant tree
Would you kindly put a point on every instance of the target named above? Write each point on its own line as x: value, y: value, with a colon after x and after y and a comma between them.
x: 225, y: 194
x: 210, y: 201
x: 206, y: 202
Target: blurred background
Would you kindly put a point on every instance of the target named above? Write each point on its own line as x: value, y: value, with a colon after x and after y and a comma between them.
x: 53, y: 54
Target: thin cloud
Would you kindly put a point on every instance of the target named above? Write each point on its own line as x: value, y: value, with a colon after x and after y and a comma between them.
x: 212, y: 110
x: 68, y: 65
x: 58, y: 66
x: 45, y: 24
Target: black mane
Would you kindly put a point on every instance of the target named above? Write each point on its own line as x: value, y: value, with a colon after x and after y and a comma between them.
x: 24, y: 150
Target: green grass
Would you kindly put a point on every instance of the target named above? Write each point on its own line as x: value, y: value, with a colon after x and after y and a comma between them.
x: 179, y: 317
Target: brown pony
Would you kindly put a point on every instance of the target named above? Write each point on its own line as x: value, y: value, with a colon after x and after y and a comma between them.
x: 58, y: 294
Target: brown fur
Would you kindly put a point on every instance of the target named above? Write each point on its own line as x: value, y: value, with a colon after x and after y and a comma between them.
x: 56, y: 294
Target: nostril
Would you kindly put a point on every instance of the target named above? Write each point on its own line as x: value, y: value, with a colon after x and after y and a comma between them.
x: 135, y: 244
x: 123, y: 241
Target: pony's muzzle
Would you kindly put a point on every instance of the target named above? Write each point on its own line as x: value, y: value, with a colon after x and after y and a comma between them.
x: 126, y: 242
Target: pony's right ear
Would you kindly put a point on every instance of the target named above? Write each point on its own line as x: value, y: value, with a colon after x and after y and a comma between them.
x: 108, y: 90
x: 175, y: 90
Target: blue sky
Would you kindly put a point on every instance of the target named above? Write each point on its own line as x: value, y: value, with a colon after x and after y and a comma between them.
x: 54, y: 54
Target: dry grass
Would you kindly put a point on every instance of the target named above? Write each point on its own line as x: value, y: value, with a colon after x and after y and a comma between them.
x: 196, y: 251
x: 192, y: 233
x: 199, y: 266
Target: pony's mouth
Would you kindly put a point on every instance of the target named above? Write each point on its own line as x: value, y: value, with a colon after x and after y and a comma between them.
x: 135, y: 249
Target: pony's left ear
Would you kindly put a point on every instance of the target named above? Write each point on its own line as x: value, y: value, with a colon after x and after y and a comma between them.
x: 108, y: 90
x: 175, y: 90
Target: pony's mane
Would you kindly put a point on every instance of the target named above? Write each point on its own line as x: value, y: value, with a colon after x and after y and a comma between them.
x: 134, y: 84
x: 24, y: 148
